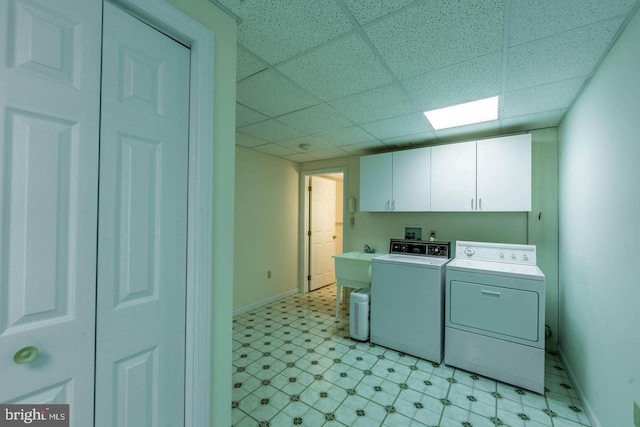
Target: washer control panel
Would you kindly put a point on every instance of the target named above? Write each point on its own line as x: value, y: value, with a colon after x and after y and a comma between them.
x: 420, y: 248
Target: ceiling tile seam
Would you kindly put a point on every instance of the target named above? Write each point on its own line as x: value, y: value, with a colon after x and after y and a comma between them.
x: 580, y: 27
x: 393, y: 13
x: 318, y: 134
x: 255, y: 111
x: 586, y: 76
x: 506, y: 33
x: 276, y: 118
x: 244, y: 48
x: 315, y: 48
x: 380, y: 58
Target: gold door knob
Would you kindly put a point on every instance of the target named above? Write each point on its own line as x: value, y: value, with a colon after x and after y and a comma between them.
x: 335, y: 237
x: 26, y: 355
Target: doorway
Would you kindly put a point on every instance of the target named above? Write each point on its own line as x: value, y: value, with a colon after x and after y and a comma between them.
x: 322, y: 234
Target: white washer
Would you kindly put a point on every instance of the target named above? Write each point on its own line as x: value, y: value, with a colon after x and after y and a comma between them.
x: 407, y: 298
x: 494, y: 315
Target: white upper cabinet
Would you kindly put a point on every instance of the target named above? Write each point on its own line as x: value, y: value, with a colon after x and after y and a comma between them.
x: 504, y: 174
x: 397, y: 181
x: 491, y: 175
x: 376, y: 176
x: 453, y: 177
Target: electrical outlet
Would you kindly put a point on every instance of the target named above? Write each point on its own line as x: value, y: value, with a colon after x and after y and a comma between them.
x: 268, y: 274
x: 636, y: 414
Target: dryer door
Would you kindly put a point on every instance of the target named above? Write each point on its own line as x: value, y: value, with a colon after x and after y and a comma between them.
x: 496, y: 311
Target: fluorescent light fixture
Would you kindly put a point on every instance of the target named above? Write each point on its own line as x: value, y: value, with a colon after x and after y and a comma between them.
x: 468, y: 113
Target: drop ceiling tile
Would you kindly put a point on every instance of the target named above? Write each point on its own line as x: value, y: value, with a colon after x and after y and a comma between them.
x: 300, y: 158
x: 532, y: 121
x: 434, y: 34
x: 414, y: 139
x: 274, y: 150
x: 248, y: 64
x: 381, y: 103
x: 329, y: 153
x: 340, y: 68
x: 554, y: 96
x: 248, y: 141
x: 246, y: 116
x: 311, y: 143
x: 560, y: 57
x: 366, y: 11
x: 271, y: 130
x: 365, y: 148
x: 531, y: 20
x: 316, y: 119
x: 346, y: 136
x: 468, y: 81
x: 276, y: 30
x: 270, y: 93
x: 398, y: 126
x: 469, y: 132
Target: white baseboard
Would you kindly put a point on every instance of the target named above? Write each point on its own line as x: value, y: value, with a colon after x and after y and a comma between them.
x: 265, y: 302
x: 585, y: 403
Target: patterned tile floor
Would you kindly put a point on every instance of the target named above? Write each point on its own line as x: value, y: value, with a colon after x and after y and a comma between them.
x: 295, y: 364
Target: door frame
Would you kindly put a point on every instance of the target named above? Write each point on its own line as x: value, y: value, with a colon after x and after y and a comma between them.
x: 303, y: 239
x: 200, y: 40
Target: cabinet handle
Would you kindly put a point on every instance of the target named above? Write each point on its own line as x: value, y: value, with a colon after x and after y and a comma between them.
x: 472, y: 203
x: 491, y: 293
x: 480, y: 204
x: 388, y: 206
x: 393, y: 205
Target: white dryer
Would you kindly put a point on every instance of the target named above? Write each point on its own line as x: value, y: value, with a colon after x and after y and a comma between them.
x: 494, y: 313
x: 407, y: 298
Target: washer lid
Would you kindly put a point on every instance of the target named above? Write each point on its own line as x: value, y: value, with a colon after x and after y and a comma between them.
x: 412, y: 259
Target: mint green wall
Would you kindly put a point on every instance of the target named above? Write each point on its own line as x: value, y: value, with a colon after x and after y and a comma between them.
x: 224, y: 86
x: 599, y: 234
x: 266, y: 228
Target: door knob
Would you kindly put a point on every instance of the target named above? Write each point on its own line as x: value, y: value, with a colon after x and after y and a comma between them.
x: 334, y: 237
x: 26, y: 355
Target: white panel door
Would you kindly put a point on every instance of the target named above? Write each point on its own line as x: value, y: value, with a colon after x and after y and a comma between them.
x: 412, y: 180
x: 323, y: 232
x: 504, y: 173
x: 49, y: 118
x: 142, y: 226
x: 453, y: 177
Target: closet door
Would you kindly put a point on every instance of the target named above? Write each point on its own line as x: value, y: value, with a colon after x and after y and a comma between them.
x: 49, y: 118
x: 142, y: 227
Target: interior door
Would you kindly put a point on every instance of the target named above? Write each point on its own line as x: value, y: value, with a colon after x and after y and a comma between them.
x: 323, y: 232
x: 49, y: 118
x: 142, y: 226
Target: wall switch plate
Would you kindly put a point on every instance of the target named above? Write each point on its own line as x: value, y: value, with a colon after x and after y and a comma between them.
x: 636, y: 414
x: 269, y: 274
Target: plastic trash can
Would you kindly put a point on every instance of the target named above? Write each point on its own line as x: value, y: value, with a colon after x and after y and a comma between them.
x: 359, y: 314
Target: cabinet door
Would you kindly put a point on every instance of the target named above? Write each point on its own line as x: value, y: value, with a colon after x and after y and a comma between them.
x: 453, y: 177
x: 375, y: 182
x: 412, y: 180
x: 504, y: 174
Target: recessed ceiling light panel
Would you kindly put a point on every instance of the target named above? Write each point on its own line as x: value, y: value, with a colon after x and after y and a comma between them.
x: 468, y: 113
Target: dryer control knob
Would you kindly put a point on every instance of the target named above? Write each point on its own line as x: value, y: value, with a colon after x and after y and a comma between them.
x: 469, y: 252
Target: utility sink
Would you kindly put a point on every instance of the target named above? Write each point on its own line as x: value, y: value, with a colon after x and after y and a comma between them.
x: 353, y: 269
